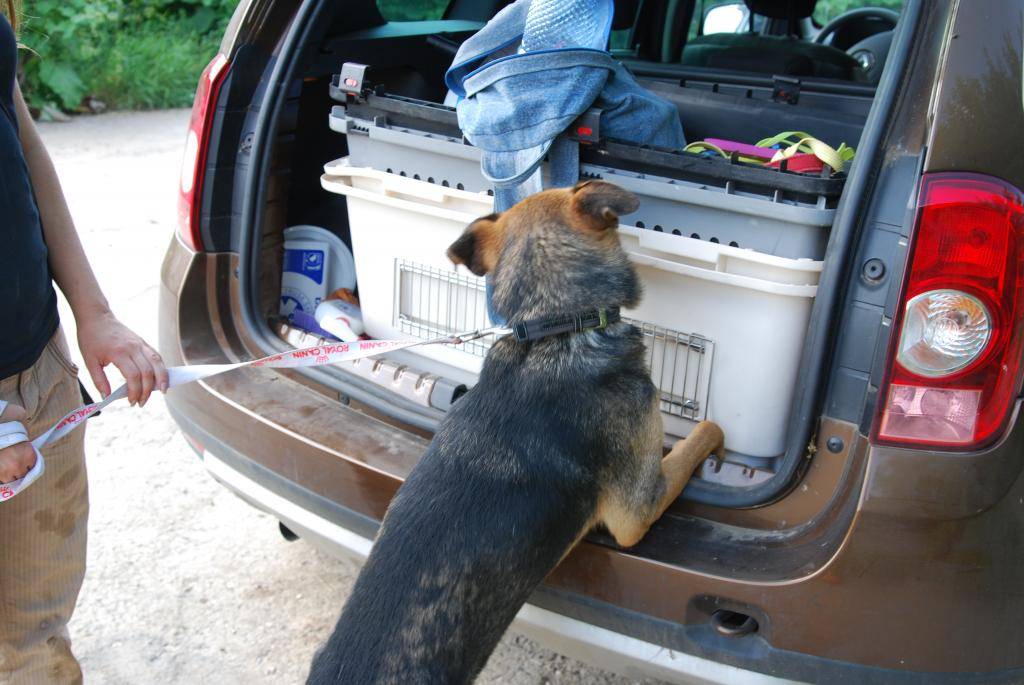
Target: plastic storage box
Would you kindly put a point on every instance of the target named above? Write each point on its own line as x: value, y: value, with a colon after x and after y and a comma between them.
x: 724, y: 325
x: 735, y: 204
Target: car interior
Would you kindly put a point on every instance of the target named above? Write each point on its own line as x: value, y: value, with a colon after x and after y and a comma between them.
x: 741, y: 71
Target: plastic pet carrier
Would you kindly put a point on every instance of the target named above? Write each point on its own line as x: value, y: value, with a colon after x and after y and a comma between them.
x: 724, y: 326
x: 729, y: 255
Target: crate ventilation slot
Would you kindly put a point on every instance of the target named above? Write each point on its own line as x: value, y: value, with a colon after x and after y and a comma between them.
x: 432, y: 301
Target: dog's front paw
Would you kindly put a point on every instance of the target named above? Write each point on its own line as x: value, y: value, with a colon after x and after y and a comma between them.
x: 708, y: 435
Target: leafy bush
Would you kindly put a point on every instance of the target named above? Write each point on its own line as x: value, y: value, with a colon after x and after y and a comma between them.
x: 127, y: 53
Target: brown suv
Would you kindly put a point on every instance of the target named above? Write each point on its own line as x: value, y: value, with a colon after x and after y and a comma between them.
x: 867, y: 521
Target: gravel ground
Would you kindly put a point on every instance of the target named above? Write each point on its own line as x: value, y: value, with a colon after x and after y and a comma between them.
x: 187, y: 583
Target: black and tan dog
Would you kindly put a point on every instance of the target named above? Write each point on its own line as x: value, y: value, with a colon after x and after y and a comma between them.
x: 560, y: 434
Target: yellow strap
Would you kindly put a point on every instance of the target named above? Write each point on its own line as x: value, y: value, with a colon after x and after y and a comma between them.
x: 786, y: 137
x: 701, y: 146
x: 836, y: 159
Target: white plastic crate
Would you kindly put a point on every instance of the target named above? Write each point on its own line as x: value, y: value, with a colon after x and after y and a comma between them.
x: 724, y: 325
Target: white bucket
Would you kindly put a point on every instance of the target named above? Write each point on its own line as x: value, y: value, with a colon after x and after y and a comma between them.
x: 316, y: 263
x: 753, y: 306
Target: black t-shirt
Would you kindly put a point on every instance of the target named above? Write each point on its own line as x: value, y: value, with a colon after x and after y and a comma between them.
x: 28, y: 302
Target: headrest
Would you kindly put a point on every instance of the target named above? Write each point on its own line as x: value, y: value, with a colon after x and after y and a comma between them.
x: 782, y: 9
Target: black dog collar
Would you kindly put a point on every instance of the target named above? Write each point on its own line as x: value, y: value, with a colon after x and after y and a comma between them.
x: 594, y: 320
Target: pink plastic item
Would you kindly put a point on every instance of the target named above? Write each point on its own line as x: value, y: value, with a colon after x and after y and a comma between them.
x: 729, y: 146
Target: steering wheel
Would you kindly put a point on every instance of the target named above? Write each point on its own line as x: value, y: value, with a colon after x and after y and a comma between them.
x: 887, y: 15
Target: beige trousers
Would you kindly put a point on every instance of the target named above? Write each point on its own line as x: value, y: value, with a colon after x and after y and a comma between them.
x: 43, y: 532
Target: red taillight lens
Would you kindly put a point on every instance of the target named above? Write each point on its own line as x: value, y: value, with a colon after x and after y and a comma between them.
x: 190, y: 190
x: 955, y: 359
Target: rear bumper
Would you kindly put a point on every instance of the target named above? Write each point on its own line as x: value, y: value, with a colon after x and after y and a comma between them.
x: 340, y: 531
x: 590, y: 643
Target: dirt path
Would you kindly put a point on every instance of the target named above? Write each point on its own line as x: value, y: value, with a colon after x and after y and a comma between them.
x: 186, y: 583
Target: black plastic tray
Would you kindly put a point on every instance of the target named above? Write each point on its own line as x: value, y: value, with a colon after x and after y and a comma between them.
x: 373, y: 102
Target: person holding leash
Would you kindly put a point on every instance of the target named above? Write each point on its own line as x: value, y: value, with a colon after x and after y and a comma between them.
x: 43, y: 530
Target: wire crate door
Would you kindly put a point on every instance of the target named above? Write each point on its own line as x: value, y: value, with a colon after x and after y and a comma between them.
x: 681, y: 365
x: 432, y: 301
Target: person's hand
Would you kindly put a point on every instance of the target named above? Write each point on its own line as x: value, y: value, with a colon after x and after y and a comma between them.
x: 105, y: 340
x: 16, y: 460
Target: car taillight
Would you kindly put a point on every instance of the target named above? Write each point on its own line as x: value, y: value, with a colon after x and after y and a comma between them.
x: 955, y: 359
x: 193, y: 164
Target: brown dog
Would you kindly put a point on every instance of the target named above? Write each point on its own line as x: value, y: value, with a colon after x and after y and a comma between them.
x: 563, y: 432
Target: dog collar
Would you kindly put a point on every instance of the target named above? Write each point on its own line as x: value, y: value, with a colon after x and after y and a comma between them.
x: 593, y: 320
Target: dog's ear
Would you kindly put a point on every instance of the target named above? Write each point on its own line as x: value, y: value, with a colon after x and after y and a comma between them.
x: 477, y: 247
x: 601, y: 203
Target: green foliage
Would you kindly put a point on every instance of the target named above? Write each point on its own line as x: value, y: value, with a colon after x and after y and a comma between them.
x: 61, y: 79
x: 127, y: 53
x: 136, y: 54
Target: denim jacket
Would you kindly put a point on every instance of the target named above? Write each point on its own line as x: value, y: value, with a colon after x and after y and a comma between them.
x: 530, y: 72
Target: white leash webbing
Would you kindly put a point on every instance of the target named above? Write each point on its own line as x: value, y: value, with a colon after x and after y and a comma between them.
x: 322, y: 355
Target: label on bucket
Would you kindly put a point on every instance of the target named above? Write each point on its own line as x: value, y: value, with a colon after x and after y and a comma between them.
x: 309, y: 263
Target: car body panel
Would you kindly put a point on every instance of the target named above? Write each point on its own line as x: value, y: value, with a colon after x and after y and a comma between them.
x: 978, y: 113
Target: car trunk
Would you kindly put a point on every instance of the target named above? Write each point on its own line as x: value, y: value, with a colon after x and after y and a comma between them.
x: 742, y: 266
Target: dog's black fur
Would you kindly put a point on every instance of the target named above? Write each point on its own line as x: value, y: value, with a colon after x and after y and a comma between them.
x: 557, y: 435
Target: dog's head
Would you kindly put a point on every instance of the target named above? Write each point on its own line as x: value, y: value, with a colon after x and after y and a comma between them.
x: 554, y: 252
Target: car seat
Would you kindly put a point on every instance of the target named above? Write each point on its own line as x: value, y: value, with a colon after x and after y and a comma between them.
x: 788, y: 55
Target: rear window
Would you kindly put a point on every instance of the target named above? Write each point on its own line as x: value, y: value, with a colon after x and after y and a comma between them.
x: 727, y: 16
x: 412, y: 10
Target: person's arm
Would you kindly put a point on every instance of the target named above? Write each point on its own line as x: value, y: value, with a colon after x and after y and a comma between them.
x: 102, y: 339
